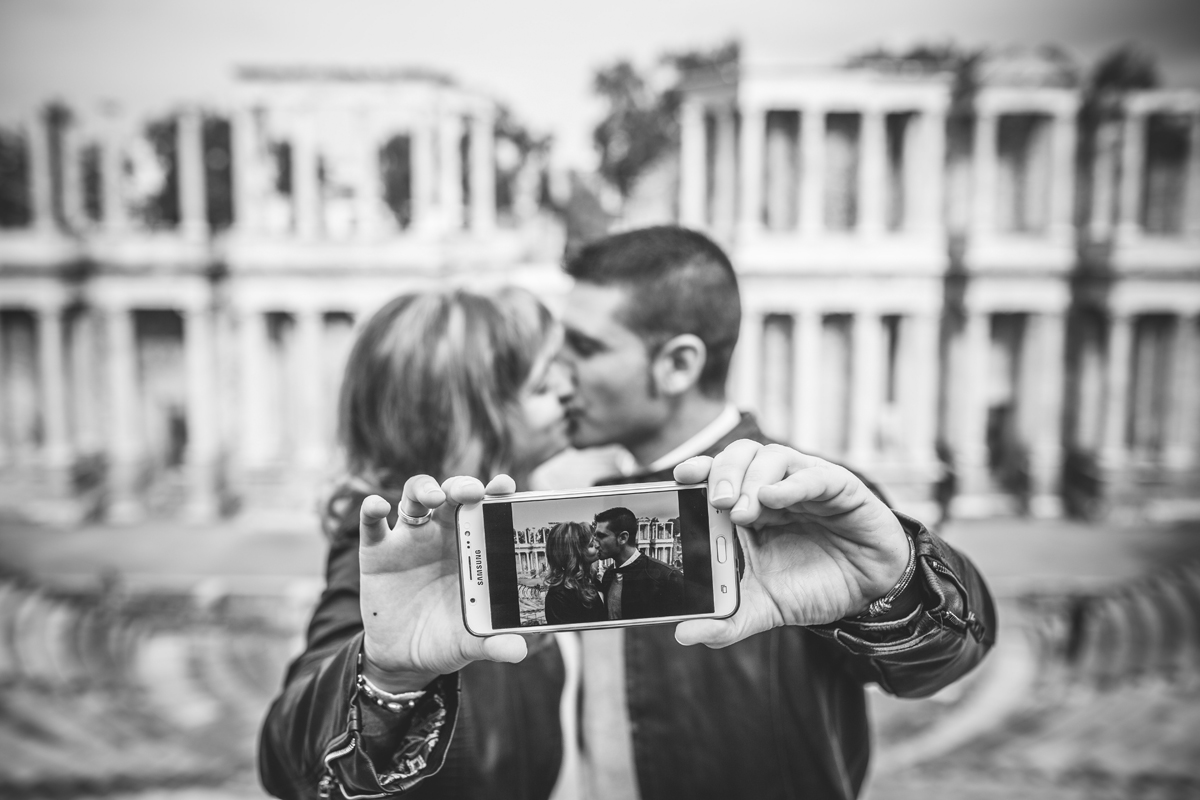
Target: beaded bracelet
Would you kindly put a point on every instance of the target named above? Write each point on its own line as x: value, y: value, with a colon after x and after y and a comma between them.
x: 392, y: 701
x: 884, y: 604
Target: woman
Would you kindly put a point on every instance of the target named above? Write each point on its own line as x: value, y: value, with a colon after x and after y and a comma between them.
x: 444, y: 384
x: 573, y: 594
x: 441, y: 384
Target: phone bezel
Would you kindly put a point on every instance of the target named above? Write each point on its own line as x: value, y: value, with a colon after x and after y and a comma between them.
x: 477, y: 615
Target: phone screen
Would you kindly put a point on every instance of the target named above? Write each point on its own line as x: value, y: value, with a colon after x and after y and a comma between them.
x: 563, y: 561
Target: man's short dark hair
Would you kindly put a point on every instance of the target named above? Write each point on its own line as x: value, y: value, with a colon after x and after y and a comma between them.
x: 620, y: 520
x: 678, y: 281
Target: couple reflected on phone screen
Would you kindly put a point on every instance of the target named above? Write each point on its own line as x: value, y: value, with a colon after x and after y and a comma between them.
x: 633, y: 585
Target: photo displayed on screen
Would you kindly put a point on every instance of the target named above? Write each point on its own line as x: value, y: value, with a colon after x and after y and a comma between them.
x: 595, y: 559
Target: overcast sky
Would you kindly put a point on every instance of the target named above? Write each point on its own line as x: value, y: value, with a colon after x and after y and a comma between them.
x: 536, y: 55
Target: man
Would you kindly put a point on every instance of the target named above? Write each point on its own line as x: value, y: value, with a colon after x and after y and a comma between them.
x: 636, y: 586
x: 839, y: 591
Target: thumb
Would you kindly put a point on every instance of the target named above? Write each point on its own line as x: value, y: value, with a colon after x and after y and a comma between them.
x: 714, y: 633
x: 506, y: 647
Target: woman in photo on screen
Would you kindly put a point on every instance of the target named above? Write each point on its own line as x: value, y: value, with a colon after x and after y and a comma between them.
x: 573, y: 593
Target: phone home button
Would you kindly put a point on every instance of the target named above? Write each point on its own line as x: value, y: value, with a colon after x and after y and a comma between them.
x: 721, y: 552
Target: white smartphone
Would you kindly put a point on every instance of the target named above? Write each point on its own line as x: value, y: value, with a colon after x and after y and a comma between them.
x: 606, y: 557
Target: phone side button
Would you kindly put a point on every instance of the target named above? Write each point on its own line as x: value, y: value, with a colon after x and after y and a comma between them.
x: 722, y: 553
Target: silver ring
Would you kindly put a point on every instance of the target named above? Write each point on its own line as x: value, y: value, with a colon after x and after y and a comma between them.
x: 415, y: 522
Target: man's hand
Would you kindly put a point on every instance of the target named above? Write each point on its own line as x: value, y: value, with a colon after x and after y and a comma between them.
x: 411, y: 606
x: 819, y: 545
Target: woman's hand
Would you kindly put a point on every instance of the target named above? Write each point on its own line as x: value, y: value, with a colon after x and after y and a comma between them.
x: 819, y: 545
x: 410, y: 600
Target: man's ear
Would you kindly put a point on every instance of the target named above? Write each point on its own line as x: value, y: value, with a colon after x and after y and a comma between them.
x: 679, y: 362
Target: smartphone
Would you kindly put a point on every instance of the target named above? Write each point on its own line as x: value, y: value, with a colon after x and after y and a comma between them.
x: 606, y: 557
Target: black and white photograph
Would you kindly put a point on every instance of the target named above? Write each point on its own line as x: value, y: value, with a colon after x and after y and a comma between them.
x: 566, y: 548
x: 906, y: 291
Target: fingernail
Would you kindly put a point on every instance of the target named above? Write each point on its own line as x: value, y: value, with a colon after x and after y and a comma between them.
x: 724, y: 491
x: 742, y: 504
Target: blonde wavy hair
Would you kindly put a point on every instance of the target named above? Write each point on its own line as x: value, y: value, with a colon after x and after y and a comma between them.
x: 431, y: 386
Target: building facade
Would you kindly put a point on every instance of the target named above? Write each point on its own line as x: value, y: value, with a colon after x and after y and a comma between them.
x: 986, y: 297
x: 178, y: 293
x: 993, y: 298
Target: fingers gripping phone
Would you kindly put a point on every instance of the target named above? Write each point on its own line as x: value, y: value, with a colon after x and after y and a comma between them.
x: 595, y: 558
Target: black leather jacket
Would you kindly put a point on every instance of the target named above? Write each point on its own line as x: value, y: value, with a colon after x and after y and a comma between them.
x: 779, y: 715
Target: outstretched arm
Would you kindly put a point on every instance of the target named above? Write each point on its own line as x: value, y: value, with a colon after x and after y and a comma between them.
x: 390, y: 613
x: 820, y: 548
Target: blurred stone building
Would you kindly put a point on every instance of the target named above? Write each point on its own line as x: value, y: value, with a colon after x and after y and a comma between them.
x: 179, y: 286
x: 976, y: 292
x: 971, y: 291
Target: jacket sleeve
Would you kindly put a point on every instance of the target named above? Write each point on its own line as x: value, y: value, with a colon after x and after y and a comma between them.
x: 322, y: 736
x: 940, y: 627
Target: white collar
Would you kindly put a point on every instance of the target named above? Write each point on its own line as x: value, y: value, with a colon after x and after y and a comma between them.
x: 705, y: 438
x: 632, y: 559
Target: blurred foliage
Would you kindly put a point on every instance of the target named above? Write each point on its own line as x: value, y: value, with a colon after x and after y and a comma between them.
x: 962, y: 63
x: 15, y: 207
x: 396, y: 172
x: 640, y: 124
x: 517, y: 149
x: 156, y: 186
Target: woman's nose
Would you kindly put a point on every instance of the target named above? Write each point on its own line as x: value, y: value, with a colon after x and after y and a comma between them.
x: 560, y: 379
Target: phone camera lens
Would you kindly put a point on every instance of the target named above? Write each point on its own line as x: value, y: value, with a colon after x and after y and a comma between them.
x: 472, y: 599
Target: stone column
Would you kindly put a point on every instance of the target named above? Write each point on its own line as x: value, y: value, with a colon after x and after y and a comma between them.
x: 254, y: 425
x: 1191, y: 222
x: 750, y: 356
x: 725, y: 174
x: 56, y: 449
x: 807, y: 394
x: 450, y: 194
x: 872, y: 173
x: 246, y: 168
x: 925, y: 172
x: 693, y: 165
x: 972, y: 385
x: 112, y: 177
x: 1062, y: 176
x: 1104, y: 180
x: 1184, y: 406
x: 423, y: 175
x: 483, y: 173
x: 1133, y: 155
x: 306, y: 187
x: 1115, y: 449
x: 983, y: 188
x: 189, y: 154
x: 4, y: 399
x: 778, y: 379
x: 1044, y: 348
x: 309, y: 372
x: 124, y: 439
x: 812, y: 171
x: 84, y: 369
x: 918, y: 384
x: 202, y: 445
x: 750, y: 202
x: 41, y: 189
x: 865, y: 386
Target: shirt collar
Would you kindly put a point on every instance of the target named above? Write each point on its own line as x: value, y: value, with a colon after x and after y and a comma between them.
x: 631, y: 559
x: 705, y: 438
